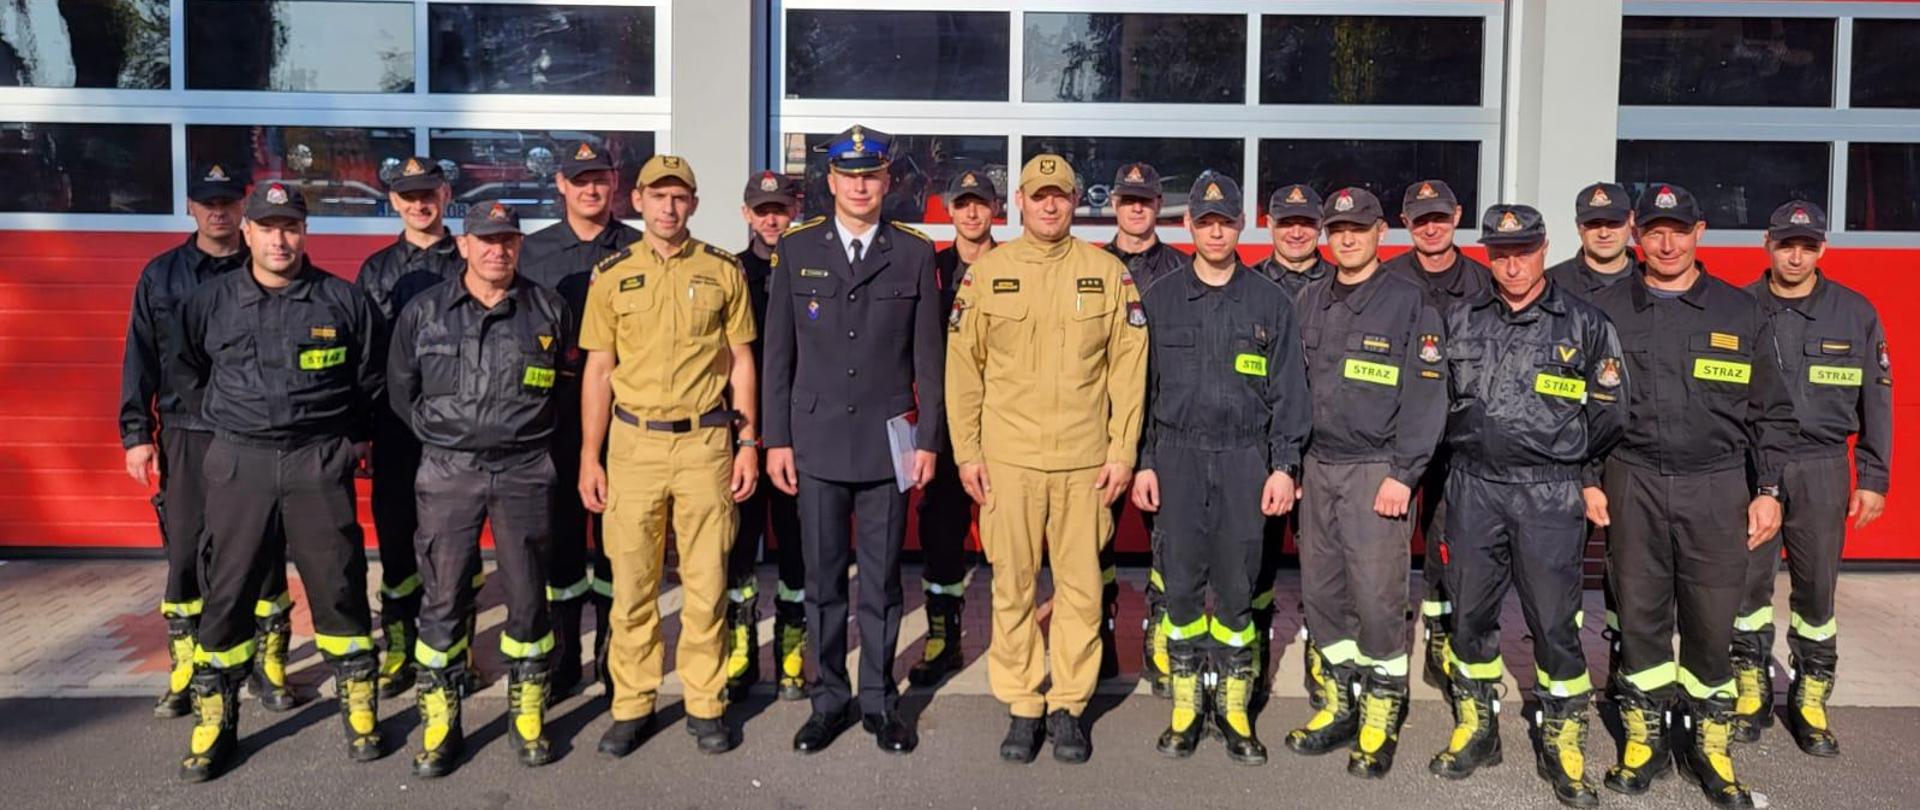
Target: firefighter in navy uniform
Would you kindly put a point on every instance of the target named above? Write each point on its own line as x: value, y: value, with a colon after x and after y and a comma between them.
x: 1379, y: 392
x: 287, y: 360
x: 565, y: 257
x: 472, y: 368
x: 1227, y: 414
x: 946, y: 513
x: 147, y: 392
x: 424, y: 255
x: 1833, y: 354
x: 769, y: 204
x: 1539, y: 396
x: 1431, y: 213
x: 1691, y: 489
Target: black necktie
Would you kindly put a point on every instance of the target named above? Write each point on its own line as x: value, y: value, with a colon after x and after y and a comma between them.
x: 856, y: 251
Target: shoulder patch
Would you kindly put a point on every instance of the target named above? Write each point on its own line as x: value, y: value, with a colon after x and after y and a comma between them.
x: 904, y: 229
x: 722, y: 255
x: 607, y: 263
x: 801, y: 226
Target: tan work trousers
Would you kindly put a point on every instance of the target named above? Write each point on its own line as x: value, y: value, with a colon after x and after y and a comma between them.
x: 1062, y: 510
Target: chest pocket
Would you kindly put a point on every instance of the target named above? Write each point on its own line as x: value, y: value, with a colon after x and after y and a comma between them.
x: 1557, y: 381
x: 1372, y: 361
x: 1719, y: 364
x: 812, y: 297
x: 1832, y: 366
x: 536, y: 365
x: 439, y: 369
x: 704, y: 302
x: 1088, y: 322
x: 1009, y: 329
x: 1466, y: 368
x: 633, y: 307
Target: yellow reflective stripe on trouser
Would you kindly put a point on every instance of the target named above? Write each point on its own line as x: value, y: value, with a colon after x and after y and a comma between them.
x: 1579, y: 619
x: 1231, y: 637
x: 1654, y: 677
x: 786, y: 594
x: 269, y: 608
x: 181, y: 609
x: 440, y: 659
x: 235, y: 656
x: 1702, y: 691
x: 1815, y: 632
x: 338, y: 646
x: 1613, y: 621
x: 1340, y: 652
x: 1395, y: 667
x: 602, y: 587
x: 574, y: 591
x: 514, y: 648
x: 1263, y: 600
x: 1570, y: 687
x: 1192, y: 629
x: 1154, y: 579
x: 1431, y: 608
x: 1110, y: 575
x: 1481, y: 671
x: 1756, y: 621
x: 745, y: 593
x: 480, y: 580
x: 406, y: 588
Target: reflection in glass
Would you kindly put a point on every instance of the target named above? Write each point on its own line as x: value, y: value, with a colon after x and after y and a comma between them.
x: 1166, y: 58
x: 1886, y: 63
x: 496, y: 48
x: 84, y: 43
x: 86, y: 168
x: 1178, y: 160
x: 1370, y: 60
x: 1721, y: 175
x: 922, y: 166
x: 320, y: 46
x: 336, y: 168
x: 1727, y: 61
x: 1385, y: 168
x: 517, y: 166
x: 897, y: 55
x: 1883, y: 187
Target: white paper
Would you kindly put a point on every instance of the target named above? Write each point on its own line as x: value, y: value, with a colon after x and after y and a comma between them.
x: 900, y: 443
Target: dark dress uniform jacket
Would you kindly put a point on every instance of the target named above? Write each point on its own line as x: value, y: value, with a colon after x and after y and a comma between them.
x: 1378, y: 395
x: 1707, y: 394
x: 147, y: 376
x: 302, y: 363
x: 847, y: 348
x: 1575, y: 277
x: 476, y: 379
x: 1536, y: 395
x: 1833, y: 356
x: 1149, y: 265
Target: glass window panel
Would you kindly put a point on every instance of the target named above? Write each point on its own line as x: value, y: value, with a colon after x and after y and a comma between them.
x: 336, y: 168
x: 559, y: 50
x: 1170, y: 58
x: 320, y: 46
x: 517, y: 166
x: 1385, y: 168
x: 897, y: 55
x: 85, y: 43
x: 1722, y: 176
x: 1370, y: 60
x: 1883, y: 187
x: 1178, y: 160
x: 1727, y: 61
x: 1886, y: 63
x: 86, y: 168
x: 922, y: 166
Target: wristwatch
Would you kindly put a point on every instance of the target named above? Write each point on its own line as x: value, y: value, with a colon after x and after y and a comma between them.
x: 1770, y: 491
x: 743, y: 442
x: 1292, y: 470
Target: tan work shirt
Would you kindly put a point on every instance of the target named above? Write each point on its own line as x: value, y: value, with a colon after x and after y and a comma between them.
x: 671, y: 323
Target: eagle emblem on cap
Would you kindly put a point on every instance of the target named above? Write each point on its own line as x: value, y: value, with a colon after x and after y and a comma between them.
x: 670, y: 161
x: 1213, y: 193
x: 968, y: 180
x: 1599, y: 199
x: 1799, y: 217
x: 1133, y: 174
x: 1508, y: 223
x: 859, y: 140
x: 413, y: 168
x: 277, y: 194
x: 1666, y: 198
x: 1345, y: 202
x: 1295, y: 197
x: 1047, y: 166
x: 768, y: 182
x: 216, y: 174
x: 1426, y: 192
x: 498, y: 211
x: 585, y: 152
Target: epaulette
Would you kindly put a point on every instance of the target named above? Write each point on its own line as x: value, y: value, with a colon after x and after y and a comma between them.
x: 721, y: 254
x: 801, y: 226
x: 923, y: 237
x: 608, y: 263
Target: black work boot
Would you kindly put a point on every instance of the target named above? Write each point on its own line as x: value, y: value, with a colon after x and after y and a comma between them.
x: 790, y: 647
x: 1383, y: 707
x: 216, y: 704
x: 1475, y: 743
x: 711, y: 735
x: 396, y: 659
x: 1438, y: 670
x: 1156, y: 664
x: 1562, y: 757
x: 1615, y: 681
x: 526, y: 711
x: 177, y: 701
x: 743, y: 647
x: 602, y: 639
x: 1022, y: 742
x: 625, y: 735
x: 941, y: 656
x: 563, y: 668
x: 1645, y: 754
x: 268, y: 681
x: 441, y: 737
x: 1070, y: 744
x: 1315, y: 671
x: 1705, y: 755
x: 1807, y: 710
x: 1262, y: 655
x: 355, y: 685
x: 1189, y: 709
x: 1233, y: 699
x: 1337, y: 721
x: 1753, y: 677
x: 1109, y: 611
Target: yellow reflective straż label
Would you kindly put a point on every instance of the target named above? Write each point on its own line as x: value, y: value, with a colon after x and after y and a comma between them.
x: 1725, y: 371
x: 1834, y: 375
x: 537, y: 377
x: 1556, y: 386
x: 322, y: 359
x: 1376, y: 373
x: 1252, y: 365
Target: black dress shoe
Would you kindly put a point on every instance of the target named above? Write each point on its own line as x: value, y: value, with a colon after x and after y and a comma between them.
x: 710, y: 734
x: 891, y: 732
x: 820, y: 731
x: 1070, y: 744
x: 624, y: 736
x: 1023, y: 740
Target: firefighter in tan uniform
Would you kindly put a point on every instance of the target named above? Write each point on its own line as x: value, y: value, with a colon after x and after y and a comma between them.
x: 667, y: 330
x: 1046, y: 372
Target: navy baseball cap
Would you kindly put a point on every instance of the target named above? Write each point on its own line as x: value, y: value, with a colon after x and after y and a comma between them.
x: 971, y: 183
x: 1512, y: 225
x: 1214, y: 193
x: 492, y: 217
x: 771, y: 187
x: 1602, y: 202
x: 858, y: 150
x: 1798, y: 218
x: 1428, y: 197
x: 1666, y: 201
x: 1352, y: 204
x: 273, y: 199
x: 213, y: 182
x: 582, y: 158
x: 1136, y: 180
x: 1295, y: 201
x: 417, y: 174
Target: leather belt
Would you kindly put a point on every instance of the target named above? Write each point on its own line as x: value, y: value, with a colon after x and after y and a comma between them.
x: 718, y: 417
